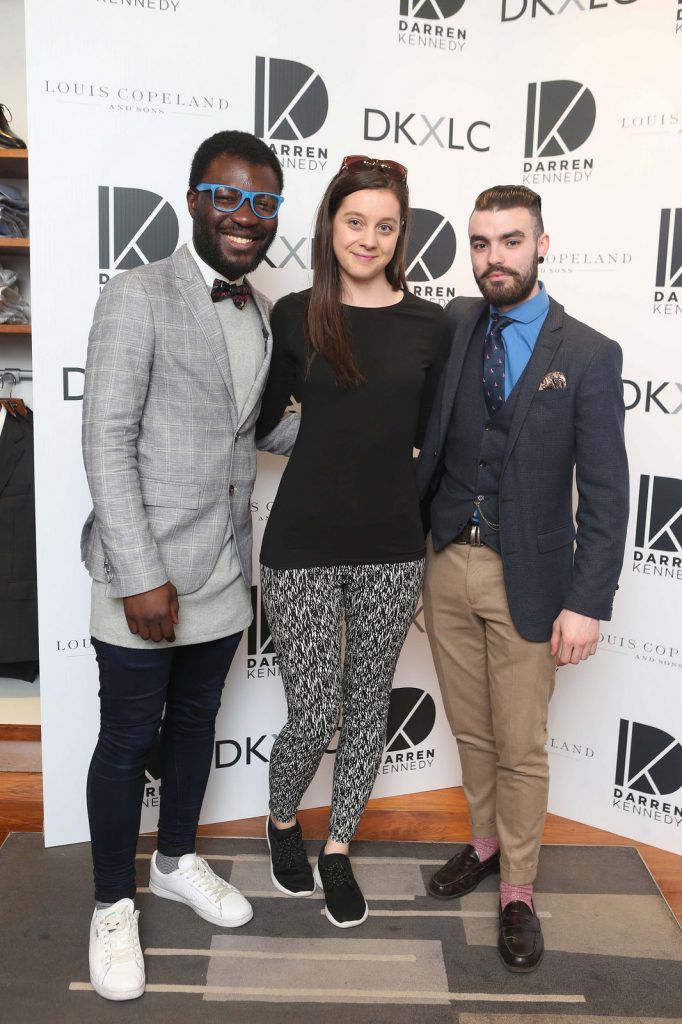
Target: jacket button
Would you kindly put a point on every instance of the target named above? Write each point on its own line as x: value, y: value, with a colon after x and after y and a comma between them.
x: 231, y: 490
x: 435, y: 453
x: 237, y: 436
x: 483, y: 464
x: 488, y: 426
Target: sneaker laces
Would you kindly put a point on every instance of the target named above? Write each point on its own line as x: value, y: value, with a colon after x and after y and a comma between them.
x: 336, y: 874
x: 119, y: 932
x: 207, y: 881
x: 290, y: 852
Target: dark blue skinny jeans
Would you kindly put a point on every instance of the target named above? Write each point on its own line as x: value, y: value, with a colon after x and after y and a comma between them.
x: 135, y: 687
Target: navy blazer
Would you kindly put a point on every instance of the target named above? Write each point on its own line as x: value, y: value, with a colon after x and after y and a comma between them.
x: 547, y: 564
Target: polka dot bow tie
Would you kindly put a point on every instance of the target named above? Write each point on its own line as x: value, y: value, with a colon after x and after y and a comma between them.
x: 239, y: 293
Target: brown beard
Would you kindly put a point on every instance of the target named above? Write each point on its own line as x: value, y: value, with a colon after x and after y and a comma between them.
x: 513, y: 292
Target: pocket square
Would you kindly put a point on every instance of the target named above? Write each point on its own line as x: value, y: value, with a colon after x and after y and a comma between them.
x: 552, y: 381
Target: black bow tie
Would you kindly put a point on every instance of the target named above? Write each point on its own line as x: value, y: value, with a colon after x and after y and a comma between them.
x: 239, y: 293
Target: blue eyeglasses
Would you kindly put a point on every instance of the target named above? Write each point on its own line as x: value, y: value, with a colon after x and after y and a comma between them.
x: 228, y: 198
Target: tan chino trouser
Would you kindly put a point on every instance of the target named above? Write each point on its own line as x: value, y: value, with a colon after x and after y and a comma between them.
x: 496, y: 688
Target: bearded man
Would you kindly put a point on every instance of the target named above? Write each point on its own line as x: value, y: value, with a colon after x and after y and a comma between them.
x: 178, y: 357
x: 530, y: 399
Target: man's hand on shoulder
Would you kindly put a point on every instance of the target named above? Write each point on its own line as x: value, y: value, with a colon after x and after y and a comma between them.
x: 574, y: 637
x: 153, y: 614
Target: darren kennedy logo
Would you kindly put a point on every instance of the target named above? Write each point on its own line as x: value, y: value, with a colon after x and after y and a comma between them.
x: 135, y: 227
x: 658, y: 531
x: 560, y: 116
x: 291, y: 105
x: 668, y: 294
x: 411, y: 718
x: 422, y: 24
x: 431, y: 249
x: 261, y: 660
x: 648, y: 767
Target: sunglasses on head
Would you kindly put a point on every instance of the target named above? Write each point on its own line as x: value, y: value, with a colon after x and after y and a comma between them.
x: 390, y: 168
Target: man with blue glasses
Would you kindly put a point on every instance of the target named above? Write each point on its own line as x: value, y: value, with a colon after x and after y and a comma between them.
x: 178, y: 357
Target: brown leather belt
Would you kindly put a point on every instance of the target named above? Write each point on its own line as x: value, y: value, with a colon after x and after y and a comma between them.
x: 471, y: 534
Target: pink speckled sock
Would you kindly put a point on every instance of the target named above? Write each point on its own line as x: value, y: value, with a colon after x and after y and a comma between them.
x: 509, y: 893
x: 485, y: 847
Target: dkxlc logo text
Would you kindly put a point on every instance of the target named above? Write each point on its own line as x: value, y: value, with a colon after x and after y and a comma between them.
x: 658, y: 531
x: 135, y: 227
x: 422, y: 130
x: 291, y: 105
x: 411, y: 717
x: 422, y: 24
x: 560, y: 116
x: 668, y: 294
x: 431, y: 249
x: 648, y: 767
x: 512, y: 10
x: 250, y: 750
x: 650, y: 396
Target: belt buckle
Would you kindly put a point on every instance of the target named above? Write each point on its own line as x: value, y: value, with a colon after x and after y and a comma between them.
x: 475, y: 536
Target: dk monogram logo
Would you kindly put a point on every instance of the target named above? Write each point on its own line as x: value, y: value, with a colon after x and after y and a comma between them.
x: 135, y: 227
x: 411, y: 717
x: 560, y: 117
x: 669, y: 263
x: 433, y: 9
x: 291, y: 100
x: 431, y: 246
x: 659, y: 515
x: 649, y: 760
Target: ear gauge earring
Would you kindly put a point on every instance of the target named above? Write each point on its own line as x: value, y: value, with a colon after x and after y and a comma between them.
x: 541, y: 259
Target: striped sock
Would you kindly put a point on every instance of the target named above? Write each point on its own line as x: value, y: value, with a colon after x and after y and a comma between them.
x: 485, y: 847
x: 166, y: 865
x: 509, y: 893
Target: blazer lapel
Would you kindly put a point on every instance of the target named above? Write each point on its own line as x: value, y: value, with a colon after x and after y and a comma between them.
x: 539, y: 364
x: 453, y: 371
x: 193, y: 289
x: 256, y: 391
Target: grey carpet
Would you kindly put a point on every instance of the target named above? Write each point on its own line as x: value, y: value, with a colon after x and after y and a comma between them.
x: 614, y: 951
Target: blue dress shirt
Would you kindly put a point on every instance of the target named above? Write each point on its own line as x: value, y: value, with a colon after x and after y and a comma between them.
x: 519, y: 337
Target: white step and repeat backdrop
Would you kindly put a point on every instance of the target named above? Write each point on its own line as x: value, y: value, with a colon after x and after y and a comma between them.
x: 579, y: 99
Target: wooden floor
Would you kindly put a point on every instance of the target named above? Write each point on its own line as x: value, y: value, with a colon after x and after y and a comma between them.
x: 438, y: 816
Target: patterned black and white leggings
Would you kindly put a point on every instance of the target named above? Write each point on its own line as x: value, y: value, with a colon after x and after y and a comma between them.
x: 305, y: 608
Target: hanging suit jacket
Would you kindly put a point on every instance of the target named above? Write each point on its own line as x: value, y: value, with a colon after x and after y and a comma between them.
x: 18, y: 599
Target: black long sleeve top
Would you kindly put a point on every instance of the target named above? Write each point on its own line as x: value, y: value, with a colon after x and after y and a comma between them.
x: 348, y: 495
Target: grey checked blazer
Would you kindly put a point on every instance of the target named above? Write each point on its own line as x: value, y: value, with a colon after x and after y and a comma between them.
x: 168, y: 459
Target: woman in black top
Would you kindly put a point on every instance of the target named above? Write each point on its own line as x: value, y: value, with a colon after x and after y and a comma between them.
x: 344, y: 539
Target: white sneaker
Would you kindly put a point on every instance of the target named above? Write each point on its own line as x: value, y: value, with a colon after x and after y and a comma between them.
x: 116, y: 962
x: 194, y: 883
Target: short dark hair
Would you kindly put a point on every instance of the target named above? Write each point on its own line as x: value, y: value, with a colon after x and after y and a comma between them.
x: 504, y: 197
x: 242, y: 144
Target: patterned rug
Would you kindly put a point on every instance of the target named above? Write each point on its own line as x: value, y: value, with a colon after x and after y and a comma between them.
x: 614, y: 950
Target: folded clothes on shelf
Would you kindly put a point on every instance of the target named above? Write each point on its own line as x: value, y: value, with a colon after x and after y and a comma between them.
x: 13, y: 308
x: 13, y: 212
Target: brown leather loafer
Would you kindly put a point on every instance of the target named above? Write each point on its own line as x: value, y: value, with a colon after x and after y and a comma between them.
x: 520, y: 943
x: 462, y: 873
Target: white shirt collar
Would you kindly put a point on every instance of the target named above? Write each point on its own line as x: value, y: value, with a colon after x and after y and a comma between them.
x: 208, y: 273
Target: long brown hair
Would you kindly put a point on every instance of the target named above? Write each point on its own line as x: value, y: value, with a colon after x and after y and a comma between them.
x: 324, y: 326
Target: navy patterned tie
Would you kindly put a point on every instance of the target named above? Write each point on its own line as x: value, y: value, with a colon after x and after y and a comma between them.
x: 493, y: 363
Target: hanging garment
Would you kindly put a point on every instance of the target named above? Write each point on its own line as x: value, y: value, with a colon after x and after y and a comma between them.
x: 18, y: 588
